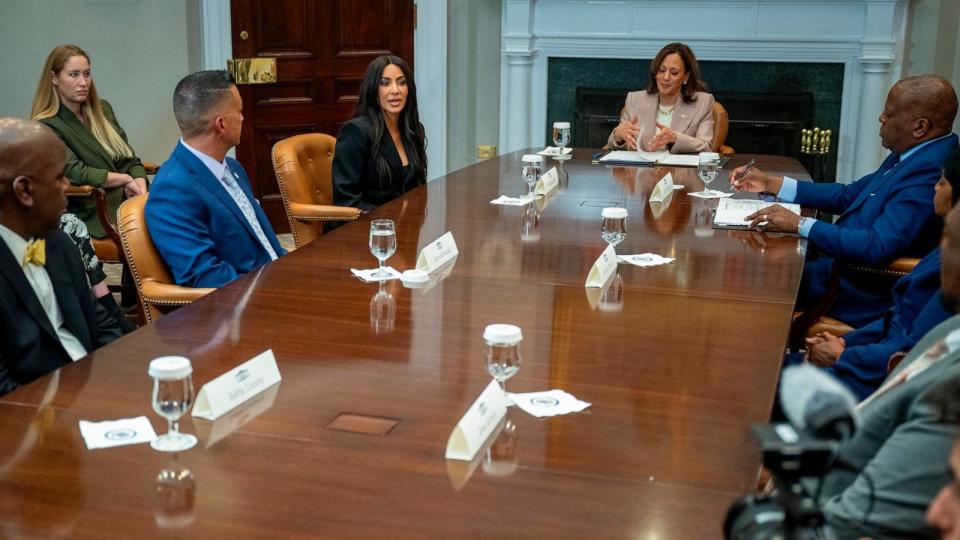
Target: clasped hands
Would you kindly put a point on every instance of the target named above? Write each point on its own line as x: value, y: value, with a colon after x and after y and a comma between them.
x: 773, y: 218
x: 134, y: 187
x: 631, y: 133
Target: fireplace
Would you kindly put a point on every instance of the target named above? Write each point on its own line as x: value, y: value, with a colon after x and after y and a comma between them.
x: 845, y: 53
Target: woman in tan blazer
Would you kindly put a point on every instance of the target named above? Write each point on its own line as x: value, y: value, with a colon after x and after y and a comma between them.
x: 670, y: 114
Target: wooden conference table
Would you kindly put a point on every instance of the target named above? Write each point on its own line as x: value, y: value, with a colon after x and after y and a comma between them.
x: 677, y: 360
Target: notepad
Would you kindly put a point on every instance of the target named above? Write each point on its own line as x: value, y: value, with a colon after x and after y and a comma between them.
x: 631, y: 157
x: 731, y: 212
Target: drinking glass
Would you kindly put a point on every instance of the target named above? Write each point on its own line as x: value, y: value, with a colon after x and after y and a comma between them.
x: 172, y: 398
x: 707, y: 167
x: 502, y: 353
x: 383, y: 311
x: 383, y: 243
x: 561, y: 138
x: 532, y: 169
x: 614, y: 227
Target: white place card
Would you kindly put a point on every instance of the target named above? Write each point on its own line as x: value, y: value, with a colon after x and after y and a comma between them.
x: 603, y: 268
x: 663, y: 190
x: 117, y: 432
x: 548, y: 182
x: 437, y: 253
x: 214, y: 432
x: 481, y: 419
x: 237, y: 386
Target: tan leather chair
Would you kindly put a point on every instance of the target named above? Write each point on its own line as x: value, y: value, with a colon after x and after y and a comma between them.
x: 304, y: 168
x: 157, y: 291
x: 721, y: 125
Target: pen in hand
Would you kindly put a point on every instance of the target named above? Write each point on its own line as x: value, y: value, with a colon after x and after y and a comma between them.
x: 746, y: 169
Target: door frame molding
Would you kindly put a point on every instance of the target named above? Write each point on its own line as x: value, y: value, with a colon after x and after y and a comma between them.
x: 430, y: 66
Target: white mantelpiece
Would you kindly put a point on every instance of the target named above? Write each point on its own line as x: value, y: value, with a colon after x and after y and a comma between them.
x: 866, y: 36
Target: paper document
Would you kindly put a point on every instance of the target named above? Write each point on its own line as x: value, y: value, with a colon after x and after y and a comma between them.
x: 731, y: 212
x: 632, y: 157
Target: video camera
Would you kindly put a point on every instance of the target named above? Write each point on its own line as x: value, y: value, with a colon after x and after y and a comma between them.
x: 821, y: 412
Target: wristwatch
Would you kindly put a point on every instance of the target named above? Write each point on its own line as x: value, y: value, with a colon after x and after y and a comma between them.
x: 802, y: 223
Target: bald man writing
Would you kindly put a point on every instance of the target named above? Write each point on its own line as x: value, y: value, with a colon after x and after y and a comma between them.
x: 47, y: 314
x: 884, y: 215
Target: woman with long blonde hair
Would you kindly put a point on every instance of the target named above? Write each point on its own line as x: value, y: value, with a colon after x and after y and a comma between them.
x: 98, y: 153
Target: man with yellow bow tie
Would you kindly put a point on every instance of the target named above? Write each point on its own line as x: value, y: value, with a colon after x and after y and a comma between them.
x: 47, y: 314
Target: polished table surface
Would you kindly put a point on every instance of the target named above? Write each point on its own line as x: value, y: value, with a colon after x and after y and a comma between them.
x: 677, y: 360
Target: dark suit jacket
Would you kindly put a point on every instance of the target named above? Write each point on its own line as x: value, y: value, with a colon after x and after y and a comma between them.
x: 356, y: 181
x: 88, y: 164
x: 199, y: 231
x: 916, y: 309
x: 884, y: 215
x: 29, y: 346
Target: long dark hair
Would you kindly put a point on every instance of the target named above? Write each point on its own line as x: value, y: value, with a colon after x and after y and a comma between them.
x: 687, y: 91
x: 411, y: 130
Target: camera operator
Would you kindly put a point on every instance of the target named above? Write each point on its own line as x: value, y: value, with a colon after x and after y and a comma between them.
x: 879, y: 483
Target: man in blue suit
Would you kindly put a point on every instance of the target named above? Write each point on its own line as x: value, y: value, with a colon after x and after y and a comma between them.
x: 860, y: 359
x: 884, y: 215
x: 201, y: 212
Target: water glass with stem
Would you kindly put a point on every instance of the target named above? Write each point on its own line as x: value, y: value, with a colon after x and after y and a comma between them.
x: 172, y: 398
x: 561, y: 138
x: 383, y: 243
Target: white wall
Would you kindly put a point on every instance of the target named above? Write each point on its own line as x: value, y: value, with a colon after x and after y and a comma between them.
x: 473, y: 79
x: 138, y: 51
x: 934, y: 43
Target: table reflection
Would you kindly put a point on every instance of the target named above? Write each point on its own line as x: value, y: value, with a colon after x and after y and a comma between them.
x: 176, y: 491
x: 530, y: 223
x: 383, y: 310
x: 501, y: 457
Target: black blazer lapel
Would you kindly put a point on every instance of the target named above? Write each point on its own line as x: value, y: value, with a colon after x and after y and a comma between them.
x: 13, y: 273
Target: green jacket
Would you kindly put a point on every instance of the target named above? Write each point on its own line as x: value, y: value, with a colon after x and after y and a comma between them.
x: 88, y: 164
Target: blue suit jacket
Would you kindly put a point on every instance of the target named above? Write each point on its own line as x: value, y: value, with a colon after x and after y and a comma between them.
x: 884, y: 215
x: 916, y: 309
x: 199, y: 231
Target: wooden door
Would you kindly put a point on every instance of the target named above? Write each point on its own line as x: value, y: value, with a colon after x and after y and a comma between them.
x: 322, y: 49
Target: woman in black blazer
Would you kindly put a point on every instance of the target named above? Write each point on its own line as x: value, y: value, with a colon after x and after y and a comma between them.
x: 381, y: 152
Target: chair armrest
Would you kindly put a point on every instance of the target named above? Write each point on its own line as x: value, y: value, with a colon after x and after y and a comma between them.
x: 166, y: 294
x: 80, y: 191
x: 150, y: 167
x: 320, y: 212
x: 726, y: 150
x: 896, y: 269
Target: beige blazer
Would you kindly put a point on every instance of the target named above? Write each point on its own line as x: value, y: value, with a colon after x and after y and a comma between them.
x: 693, y: 122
